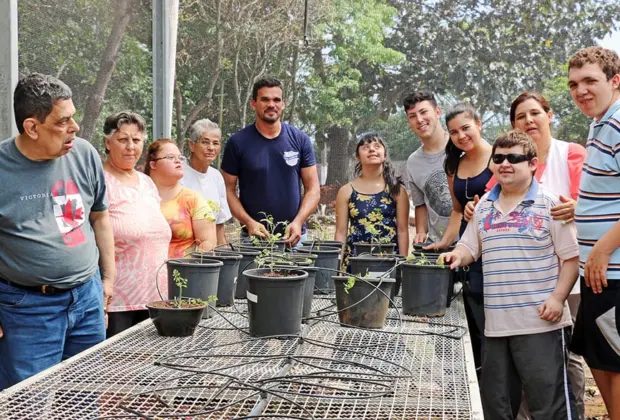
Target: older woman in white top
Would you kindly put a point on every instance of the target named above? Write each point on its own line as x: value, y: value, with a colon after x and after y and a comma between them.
x: 205, y: 145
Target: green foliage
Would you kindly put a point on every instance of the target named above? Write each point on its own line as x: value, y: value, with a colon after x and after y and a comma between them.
x: 67, y: 39
x: 422, y: 259
x: 489, y: 51
x: 349, y: 284
x: 362, y: 56
x: 265, y: 258
x: 348, y: 58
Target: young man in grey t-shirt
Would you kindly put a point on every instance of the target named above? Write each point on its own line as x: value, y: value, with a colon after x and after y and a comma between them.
x: 426, y: 178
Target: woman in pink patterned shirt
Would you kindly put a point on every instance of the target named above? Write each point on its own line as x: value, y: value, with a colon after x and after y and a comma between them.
x: 141, y: 232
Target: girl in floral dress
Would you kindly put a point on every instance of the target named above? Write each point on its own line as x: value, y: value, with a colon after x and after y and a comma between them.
x: 374, y: 206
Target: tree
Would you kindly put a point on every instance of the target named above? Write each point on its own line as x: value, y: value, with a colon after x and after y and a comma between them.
x: 349, y: 65
x: 229, y: 44
x: 488, y: 51
x: 68, y: 39
x: 123, y: 15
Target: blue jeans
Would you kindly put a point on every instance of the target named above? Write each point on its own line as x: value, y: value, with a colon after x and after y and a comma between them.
x: 42, y: 330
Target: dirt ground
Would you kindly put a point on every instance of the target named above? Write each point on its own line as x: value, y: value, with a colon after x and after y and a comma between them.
x: 595, y: 409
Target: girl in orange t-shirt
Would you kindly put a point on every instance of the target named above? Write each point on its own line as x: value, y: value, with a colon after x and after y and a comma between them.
x: 190, y: 217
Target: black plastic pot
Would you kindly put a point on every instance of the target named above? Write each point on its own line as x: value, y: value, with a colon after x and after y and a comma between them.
x: 328, y: 258
x: 228, y: 274
x: 308, y: 289
x: 432, y: 257
x: 202, y: 279
x: 303, y: 259
x: 364, y: 305
x: 373, y: 248
x: 374, y: 266
x: 425, y: 289
x: 317, y: 244
x: 246, y: 263
x: 175, y: 322
x: 279, y: 261
x: 275, y: 304
x: 276, y: 246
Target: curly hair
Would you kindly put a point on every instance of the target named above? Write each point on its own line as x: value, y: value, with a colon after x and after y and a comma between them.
x: 607, y: 59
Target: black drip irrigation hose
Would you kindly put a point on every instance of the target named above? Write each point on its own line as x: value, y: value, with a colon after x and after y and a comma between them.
x: 248, y: 386
x: 371, y: 376
x: 339, y: 379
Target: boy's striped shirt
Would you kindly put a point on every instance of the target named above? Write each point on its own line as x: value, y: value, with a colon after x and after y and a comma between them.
x: 598, y: 206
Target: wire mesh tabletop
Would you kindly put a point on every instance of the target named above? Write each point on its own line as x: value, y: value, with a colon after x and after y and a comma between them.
x: 413, y: 368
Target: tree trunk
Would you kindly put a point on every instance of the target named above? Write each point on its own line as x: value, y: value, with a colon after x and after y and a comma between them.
x: 208, y: 98
x: 339, y: 156
x: 294, y: 89
x: 122, y: 17
x: 178, y: 99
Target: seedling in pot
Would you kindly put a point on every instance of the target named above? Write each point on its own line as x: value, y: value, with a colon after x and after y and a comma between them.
x: 178, y: 301
x: 423, y: 260
x: 322, y: 233
x: 351, y: 282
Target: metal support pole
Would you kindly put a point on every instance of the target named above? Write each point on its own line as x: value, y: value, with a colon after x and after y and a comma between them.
x: 165, y: 21
x: 8, y: 67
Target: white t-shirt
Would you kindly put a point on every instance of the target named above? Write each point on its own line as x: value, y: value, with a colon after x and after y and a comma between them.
x: 211, y: 186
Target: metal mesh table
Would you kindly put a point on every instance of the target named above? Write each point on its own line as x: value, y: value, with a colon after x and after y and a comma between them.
x: 414, y: 368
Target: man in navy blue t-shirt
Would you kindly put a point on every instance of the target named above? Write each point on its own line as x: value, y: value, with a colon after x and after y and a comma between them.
x: 271, y: 160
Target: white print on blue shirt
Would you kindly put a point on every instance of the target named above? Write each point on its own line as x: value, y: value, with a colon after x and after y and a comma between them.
x: 291, y: 158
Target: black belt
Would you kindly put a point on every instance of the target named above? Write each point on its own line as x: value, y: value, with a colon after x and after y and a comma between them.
x: 45, y: 289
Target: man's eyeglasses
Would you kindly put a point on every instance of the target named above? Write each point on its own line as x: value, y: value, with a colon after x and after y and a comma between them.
x: 513, y: 158
x: 172, y: 158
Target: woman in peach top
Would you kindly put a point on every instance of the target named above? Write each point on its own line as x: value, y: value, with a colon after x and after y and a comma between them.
x: 141, y: 233
x: 190, y: 217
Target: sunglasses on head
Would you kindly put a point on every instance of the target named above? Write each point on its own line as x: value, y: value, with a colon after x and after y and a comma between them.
x: 513, y: 158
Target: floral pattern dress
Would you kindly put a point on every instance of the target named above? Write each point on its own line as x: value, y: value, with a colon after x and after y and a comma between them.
x: 371, y: 217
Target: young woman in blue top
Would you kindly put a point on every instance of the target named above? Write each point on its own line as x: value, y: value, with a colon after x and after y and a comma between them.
x: 467, y: 167
x: 375, y: 202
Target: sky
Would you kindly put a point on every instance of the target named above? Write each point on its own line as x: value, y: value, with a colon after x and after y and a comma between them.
x: 612, y: 41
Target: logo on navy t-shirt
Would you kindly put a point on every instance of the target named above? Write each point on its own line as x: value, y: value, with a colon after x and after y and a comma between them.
x: 291, y: 158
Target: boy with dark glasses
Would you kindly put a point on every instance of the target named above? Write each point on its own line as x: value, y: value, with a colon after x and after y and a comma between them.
x: 530, y: 264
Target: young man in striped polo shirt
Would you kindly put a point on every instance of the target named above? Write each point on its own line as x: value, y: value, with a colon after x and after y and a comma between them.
x: 594, y: 82
x: 530, y: 264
